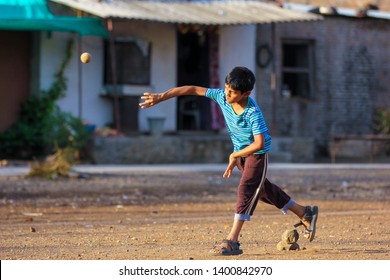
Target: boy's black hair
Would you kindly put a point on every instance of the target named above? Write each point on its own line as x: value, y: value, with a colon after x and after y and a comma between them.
x: 241, y: 78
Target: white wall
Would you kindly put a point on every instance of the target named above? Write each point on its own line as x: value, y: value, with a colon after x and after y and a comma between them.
x: 163, y: 72
x: 94, y: 109
x: 237, y: 48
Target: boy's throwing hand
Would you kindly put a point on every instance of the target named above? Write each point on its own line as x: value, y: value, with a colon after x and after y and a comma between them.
x: 151, y: 99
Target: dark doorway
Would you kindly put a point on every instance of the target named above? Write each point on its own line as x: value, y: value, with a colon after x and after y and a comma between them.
x: 193, y: 112
x: 14, y: 74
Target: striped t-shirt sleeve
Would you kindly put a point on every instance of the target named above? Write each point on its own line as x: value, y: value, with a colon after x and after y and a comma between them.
x: 215, y: 94
x: 257, y: 123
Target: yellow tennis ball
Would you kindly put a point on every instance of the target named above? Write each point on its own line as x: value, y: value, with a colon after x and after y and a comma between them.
x: 85, y: 57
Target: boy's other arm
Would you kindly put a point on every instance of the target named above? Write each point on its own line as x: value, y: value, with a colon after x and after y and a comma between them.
x: 257, y: 145
x: 151, y: 99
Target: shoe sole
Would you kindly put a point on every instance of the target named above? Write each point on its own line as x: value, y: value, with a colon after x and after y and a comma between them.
x: 227, y: 253
x: 312, y: 227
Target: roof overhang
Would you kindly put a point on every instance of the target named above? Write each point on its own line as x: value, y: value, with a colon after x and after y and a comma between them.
x: 204, y: 13
x: 338, y: 11
x: 34, y: 15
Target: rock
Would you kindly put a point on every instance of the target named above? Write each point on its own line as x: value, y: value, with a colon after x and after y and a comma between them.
x: 289, y: 241
x: 290, y: 236
x: 284, y: 246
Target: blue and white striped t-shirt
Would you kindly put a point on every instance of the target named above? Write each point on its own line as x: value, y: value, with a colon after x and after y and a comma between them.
x: 243, y: 127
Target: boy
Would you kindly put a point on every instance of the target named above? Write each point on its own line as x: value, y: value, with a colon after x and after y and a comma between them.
x: 249, y: 134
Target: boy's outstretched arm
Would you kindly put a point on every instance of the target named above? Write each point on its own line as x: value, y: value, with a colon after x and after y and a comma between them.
x: 151, y: 99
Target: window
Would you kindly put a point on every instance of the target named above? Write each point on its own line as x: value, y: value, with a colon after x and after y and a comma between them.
x: 132, y: 61
x: 297, y: 68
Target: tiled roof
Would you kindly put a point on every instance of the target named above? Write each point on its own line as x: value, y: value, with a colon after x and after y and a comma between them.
x: 194, y: 12
x: 337, y: 10
x: 383, y: 5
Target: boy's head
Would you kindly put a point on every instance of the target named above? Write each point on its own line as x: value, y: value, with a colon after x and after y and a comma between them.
x: 241, y: 78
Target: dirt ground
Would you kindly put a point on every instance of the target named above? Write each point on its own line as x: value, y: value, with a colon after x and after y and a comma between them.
x: 181, y: 215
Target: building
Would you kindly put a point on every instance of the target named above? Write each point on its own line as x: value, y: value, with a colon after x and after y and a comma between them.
x: 154, y: 46
x: 316, y: 73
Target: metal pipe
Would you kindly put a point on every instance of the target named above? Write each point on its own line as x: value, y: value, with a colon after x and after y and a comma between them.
x: 117, y: 117
x: 273, y: 79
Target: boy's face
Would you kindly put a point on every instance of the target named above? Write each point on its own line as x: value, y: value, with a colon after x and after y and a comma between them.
x: 233, y: 95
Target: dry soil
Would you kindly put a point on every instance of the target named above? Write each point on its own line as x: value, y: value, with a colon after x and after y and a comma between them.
x: 181, y: 215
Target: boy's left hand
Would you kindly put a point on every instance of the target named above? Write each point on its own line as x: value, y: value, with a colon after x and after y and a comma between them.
x: 231, y: 165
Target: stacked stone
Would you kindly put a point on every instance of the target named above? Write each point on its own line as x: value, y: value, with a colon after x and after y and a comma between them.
x: 289, y: 241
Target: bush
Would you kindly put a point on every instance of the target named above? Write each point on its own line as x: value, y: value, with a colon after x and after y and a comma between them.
x: 42, y: 127
x: 67, y: 131
x: 382, y: 121
x: 57, y: 165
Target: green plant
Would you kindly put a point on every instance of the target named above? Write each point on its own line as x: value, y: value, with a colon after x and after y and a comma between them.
x: 42, y: 127
x: 67, y: 131
x: 59, y: 164
x: 382, y: 121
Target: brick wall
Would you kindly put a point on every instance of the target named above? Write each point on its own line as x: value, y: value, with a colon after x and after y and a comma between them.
x: 352, y: 67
